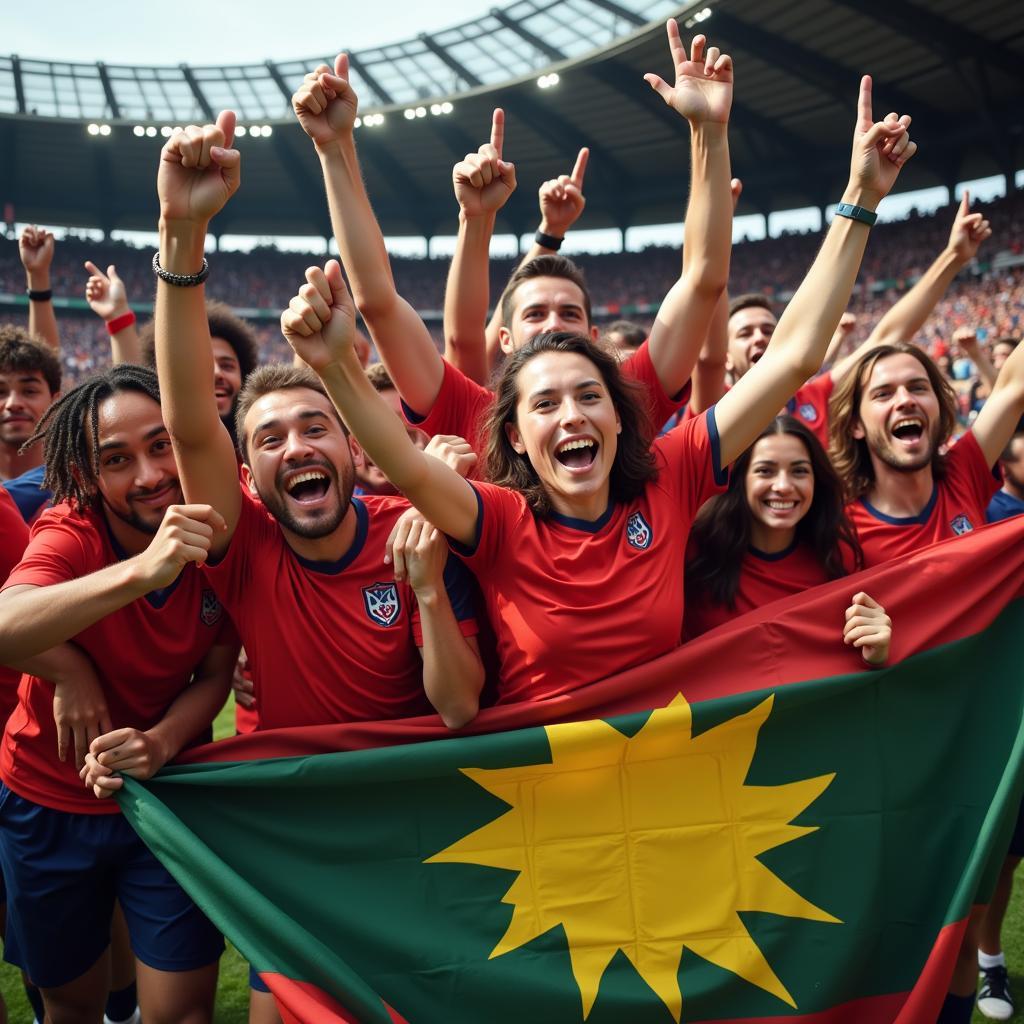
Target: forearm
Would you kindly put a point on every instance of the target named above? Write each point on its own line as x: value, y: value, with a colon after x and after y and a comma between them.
x: 403, y: 342
x: 466, y: 297
x: 34, y: 619
x: 709, y: 373
x: 184, y: 353
x: 908, y: 315
x: 125, y: 346
x: 42, y: 320
x: 986, y: 371
x: 62, y: 663
x: 453, y: 674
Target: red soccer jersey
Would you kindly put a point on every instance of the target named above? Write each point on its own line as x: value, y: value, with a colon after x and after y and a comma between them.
x: 328, y: 642
x: 810, y: 406
x: 462, y: 405
x: 13, y: 538
x: 957, y: 506
x: 571, y: 601
x: 763, y: 578
x: 145, y: 654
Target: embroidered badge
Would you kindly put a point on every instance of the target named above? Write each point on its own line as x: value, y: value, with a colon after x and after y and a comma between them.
x: 638, y: 532
x: 808, y: 412
x: 961, y: 525
x: 381, y: 602
x: 210, y: 609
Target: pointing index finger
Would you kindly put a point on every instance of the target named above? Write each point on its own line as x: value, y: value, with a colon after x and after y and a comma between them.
x: 581, y: 167
x: 865, y: 119
x: 498, y: 130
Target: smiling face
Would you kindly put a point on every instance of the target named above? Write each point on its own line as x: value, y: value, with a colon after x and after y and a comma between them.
x: 545, y: 304
x: 300, y: 462
x: 24, y: 397
x: 227, y: 376
x: 779, y: 487
x: 138, y: 477
x: 750, y: 330
x: 568, y: 427
x: 899, y: 414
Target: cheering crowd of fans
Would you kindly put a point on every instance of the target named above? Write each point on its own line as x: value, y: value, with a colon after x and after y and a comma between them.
x: 197, y: 484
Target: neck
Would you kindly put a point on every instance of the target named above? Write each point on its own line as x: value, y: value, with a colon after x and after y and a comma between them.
x: 900, y: 494
x: 1013, y: 490
x: 588, y: 507
x: 12, y: 464
x: 131, y: 540
x: 770, y: 541
x: 324, y: 549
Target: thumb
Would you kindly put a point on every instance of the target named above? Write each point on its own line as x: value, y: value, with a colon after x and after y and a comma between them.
x: 660, y: 86
x: 112, y: 273
x: 879, y: 131
x: 226, y: 123
x: 230, y: 163
x: 508, y: 174
x: 341, y: 65
x: 339, y: 290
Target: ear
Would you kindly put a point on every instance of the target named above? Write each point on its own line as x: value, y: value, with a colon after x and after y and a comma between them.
x: 505, y: 340
x: 515, y: 438
x: 358, y: 459
x: 594, y: 332
x: 857, y: 429
x: 248, y: 480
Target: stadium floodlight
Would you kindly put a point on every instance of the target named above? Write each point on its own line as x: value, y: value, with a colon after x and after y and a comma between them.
x: 241, y: 131
x: 408, y: 113
x: 165, y: 131
x: 105, y: 129
x: 435, y: 109
x: 267, y: 131
x: 421, y: 111
x: 702, y: 15
x: 446, y: 107
x: 138, y: 131
x: 93, y: 129
x: 151, y: 131
x: 547, y: 81
x: 357, y: 123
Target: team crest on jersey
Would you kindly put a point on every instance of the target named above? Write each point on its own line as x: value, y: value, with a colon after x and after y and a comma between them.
x: 210, y: 609
x: 638, y: 532
x: 382, y: 605
x: 808, y: 412
x: 961, y: 525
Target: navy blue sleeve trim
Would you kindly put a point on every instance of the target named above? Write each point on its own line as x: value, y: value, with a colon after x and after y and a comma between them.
x: 412, y: 417
x: 721, y: 474
x: 470, y: 549
x: 458, y: 582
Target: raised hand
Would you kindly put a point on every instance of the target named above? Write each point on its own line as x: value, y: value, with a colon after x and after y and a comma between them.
x: 326, y: 104
x: 199, y: 171
x: 454, y: 451
x: 880, y: 148
x: 418, y: 552
x: 703, y: 85
x: 105, y: 293
x: 185, y: 535
x: 483, y: 181
x: 562, y: 200
x: 320, y: 322
x: 35, y: 247
x: 869, y: 628
x: 969, y: 230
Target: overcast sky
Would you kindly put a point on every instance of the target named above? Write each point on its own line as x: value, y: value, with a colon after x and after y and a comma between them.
x: 205, y: 32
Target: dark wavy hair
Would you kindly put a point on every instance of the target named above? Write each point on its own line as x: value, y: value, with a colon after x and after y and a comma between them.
x: 850, y: 455
x: 634, y: 463
x: 547, y: 265
x: 721, y: 531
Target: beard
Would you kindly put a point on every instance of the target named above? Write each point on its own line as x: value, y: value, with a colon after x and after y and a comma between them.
x: 880, y: 445
x: 323, y: 521
x: 134, y: 519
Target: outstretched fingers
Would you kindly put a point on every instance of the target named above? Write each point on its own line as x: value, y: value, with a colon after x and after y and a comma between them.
x: 498, y: 131
x: 580, y: 167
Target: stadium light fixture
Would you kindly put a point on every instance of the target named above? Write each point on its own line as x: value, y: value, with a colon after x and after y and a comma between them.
x: 105, y: 129
x: 267, y: 131
x: 357, y: 123
x: 548, y: 80
x: 241, y: 131
x: 138, y: 131
x: 408, y: 113
x: 446, y: 107
x: 421, y: 111
x: 435, y: 109
x: 702, y: 15
x: 165, y: 131
x: 93, y: 129
x: 151, y: 131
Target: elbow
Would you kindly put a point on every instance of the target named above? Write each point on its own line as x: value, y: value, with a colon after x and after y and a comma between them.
x: 460, y: 713
x: 374, y: 304
x: 709, y: 279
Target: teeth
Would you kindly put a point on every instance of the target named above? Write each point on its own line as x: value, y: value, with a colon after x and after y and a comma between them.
x: 782, y: 506
x: 313, y: 474
x: 569, y: 446
x: 910, y: 421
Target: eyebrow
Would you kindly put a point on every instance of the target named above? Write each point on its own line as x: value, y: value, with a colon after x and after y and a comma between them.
x: 309, y: 414
x: 148, y: 436
x: 576, y: 387
x: 775, y: 462
x: 923, y: 379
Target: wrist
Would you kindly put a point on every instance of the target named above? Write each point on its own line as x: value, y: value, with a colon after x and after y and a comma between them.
x: 709, y: 132
x: 427, y: 595
x: 554, y: 229
x: 858, y: 195
x: 38, y: 280
x: 952, y: 257
x: 331, y: 149
x: 182, y: 243
x: 118, y: 311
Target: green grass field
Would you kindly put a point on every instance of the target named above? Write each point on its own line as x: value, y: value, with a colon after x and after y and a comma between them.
x: 233, y: 986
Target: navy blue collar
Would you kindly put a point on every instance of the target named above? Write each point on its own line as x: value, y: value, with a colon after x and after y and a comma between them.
x: 921, y: 517
x: 585, y: 525
x: 333, y: 568
x: 767, y: 556
x: 156, y: 598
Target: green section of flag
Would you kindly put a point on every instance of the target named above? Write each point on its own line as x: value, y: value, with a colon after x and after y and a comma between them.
x: 315, y: 868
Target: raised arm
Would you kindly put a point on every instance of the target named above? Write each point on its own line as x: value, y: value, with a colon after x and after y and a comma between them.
x: 702, y: 93
x: 561, y: 202
x: 908, y: 315
x: 967, y: 339
x: 108, y: 299
x: 1003, y: 409
x: 198, y: 174
x: 799, y: 343
x: 326, y: 107
x: 483, y: 183
x: 318, y: 325
x: 35, y: 247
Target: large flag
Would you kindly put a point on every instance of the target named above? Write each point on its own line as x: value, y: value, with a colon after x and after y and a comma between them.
x: 754, y: 828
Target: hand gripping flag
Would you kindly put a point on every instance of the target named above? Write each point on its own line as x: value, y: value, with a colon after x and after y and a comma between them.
x: 753, y: 828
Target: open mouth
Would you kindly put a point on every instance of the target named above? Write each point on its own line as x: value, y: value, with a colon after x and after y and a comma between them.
x: 755, y: 354
x: 779, y: 505
x: 909, y: 428
x: 578, y: 454
x: 308, y: 486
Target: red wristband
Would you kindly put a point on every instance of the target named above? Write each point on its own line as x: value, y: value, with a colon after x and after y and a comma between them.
x: 119, y: 323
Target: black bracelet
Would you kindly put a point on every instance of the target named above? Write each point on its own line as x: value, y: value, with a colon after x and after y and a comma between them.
x: 39, y: 294
x: 856, y: 213
x: 180, y: 280
x: 548, y: 241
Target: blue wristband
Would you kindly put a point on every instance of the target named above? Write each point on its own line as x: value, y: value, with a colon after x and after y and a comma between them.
x: 856, y: 213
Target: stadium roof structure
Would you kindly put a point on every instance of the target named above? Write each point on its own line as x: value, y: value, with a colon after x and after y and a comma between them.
x: 80, y: 141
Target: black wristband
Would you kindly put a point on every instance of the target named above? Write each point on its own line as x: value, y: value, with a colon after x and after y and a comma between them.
x: 548, y: 241
x: 856, y: 213
x: 39, y: 294
x: 181, y: 280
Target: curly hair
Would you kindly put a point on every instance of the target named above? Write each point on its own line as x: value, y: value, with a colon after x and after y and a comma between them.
x: 634, y: 464
x: 24, y: 352
x: 850, y: 455
x: 721, y: 531
x: 70, y: 431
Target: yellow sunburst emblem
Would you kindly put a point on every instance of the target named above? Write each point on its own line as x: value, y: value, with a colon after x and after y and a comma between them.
x: 648, y: 845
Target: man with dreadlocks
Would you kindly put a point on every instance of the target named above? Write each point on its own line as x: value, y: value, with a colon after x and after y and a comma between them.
x: 107, y: 604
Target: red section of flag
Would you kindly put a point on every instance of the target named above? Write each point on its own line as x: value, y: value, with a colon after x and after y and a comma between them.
x: 303, y: 1003
x: 925, y: 999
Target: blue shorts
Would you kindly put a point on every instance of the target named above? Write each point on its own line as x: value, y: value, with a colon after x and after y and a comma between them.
x: 63, y: 872
x: 256, y: 983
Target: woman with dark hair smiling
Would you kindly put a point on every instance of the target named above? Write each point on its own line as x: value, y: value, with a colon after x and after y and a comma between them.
x: 778, y: 530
